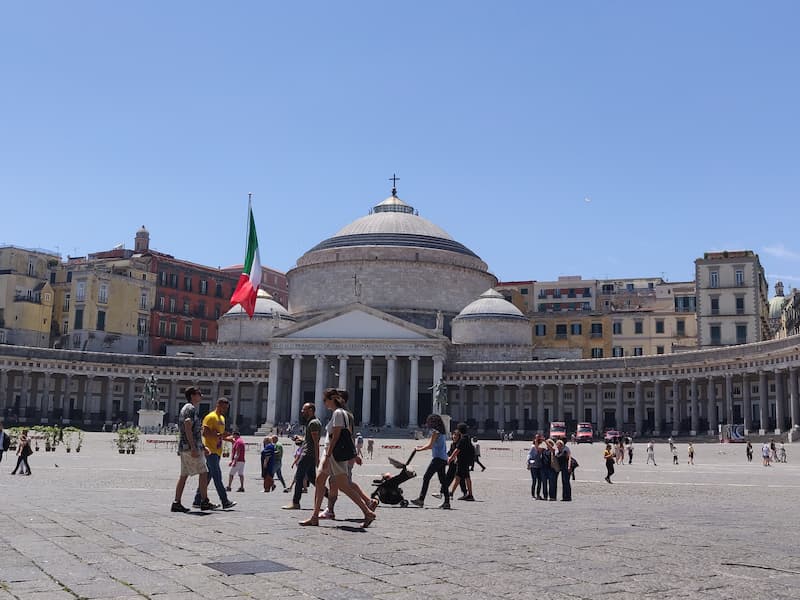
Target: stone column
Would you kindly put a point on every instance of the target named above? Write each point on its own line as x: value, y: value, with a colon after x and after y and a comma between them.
x: 559, y: 407
x: 763, y: 403
x: 66, y: 398
x: 85, y: 399
x: 235, y: 392
x: 3, y: 390
x: 638, y: 408
x: 366, y: 396
x: 520, y: 407
x: 713, y: 425
x: 172, y: 402
x: 413, y: 393
x: 780, y: 402
x: 540, y: 408
x: 109, y: 404
x: 272, y: 388
x: 579, y: 408
x: 500, y: 406
x: 319, y: 386
x: 46, y: 410
x: 391, y: 382
x: 297, y: 370
x: 676, y: 406
x: 695, y: 407
x: 658, y: 407
x: 462, y: 394
x: 600, y: 417
x: 482, y: 414
x: 342, y: 385
x: 619, y: 411
x: 24, y: 393
x: 747, y: 411
x: 794, y: 407
x: 729, y: 399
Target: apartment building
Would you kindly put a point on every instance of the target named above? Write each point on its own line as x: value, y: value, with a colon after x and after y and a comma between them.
x: 732, y: 301
x: 26, y: 297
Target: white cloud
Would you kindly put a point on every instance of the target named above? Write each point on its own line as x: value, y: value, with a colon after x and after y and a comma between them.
x: 781, y: 251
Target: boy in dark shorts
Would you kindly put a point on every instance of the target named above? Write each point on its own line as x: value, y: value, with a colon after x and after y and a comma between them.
x: 463, y: 455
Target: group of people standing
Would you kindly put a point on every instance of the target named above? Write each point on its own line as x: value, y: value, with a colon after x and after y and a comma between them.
x: 547, y: 460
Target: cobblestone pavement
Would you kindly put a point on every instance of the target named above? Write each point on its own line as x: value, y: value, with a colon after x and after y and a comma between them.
x: 97, y: 525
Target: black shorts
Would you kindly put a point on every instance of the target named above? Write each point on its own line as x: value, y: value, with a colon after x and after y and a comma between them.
x: 462, y: 472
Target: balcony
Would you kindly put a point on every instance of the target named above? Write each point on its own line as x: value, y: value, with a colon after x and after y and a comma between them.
x: 597, y: 334
x: 24, y: 298
x: 561, y: 336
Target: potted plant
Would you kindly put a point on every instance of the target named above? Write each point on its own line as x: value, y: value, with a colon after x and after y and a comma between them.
x: 80, y: 439
x: 121, y: 439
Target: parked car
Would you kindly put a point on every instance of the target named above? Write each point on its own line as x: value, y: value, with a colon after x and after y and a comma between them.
x: 584, y: 433
x: 558, y: 430
x: 612, y: 436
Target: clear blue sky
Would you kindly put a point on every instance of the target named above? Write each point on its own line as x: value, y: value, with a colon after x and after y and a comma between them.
x: 677, y: 120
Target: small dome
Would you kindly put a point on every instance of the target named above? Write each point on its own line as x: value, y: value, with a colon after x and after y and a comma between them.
x: 776, y: 307
x: 265, y: 307
x: 491, y: 304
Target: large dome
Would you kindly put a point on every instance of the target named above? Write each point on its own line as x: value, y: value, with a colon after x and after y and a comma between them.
x: 393, y: 223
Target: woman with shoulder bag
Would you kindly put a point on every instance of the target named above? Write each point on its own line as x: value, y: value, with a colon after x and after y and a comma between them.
x: 549, y: 470
x: 333, y: 464
x: 438, y: 465
x: 23, y: 452
x: 535, y: 465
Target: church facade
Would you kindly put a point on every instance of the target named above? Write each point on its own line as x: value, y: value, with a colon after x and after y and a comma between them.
x: 387, y: 308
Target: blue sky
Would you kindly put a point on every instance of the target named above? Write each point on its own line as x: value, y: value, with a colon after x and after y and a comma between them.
x: 678, y: 121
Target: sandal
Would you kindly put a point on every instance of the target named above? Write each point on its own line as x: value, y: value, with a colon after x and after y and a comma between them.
x: 368, y: 520
x: 327, y: 514
x: 310, y: 522
x: 373, y: 504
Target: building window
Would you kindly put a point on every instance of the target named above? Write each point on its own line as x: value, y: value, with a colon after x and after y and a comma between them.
x: 187, y: 284
x: 66, y: 302
x: 681, y: 327
x: 561, y: 331
x: 173, y: 329
x: 78, y: 318
x: 523, y: 291
x: 143, y: 301
x: 140, y: 346
x: 608, y: 288
x: 172, y: 305
x: 576, y: 329
x: 201, y: 310
x: 597, y: 353
x: 187, y: 331
x: 715, y: 306
x: 660, y: 326
x: 217, y: 311
x: 617, y: 351
x: 161, y: 303
x: 741, y: 334
x: 716, y: 335
x: 162, y: 277
x: 637, y: 351
x: 173, y: 280
x: 203, y: 287
x: 540, y: 329
x: 218, y: 290
x: 714, y: 279
x: 638, y: 327
x: 80, y: 291
x: 739, y: 277
x: 141, y: 327
x: 162, y: 328
x: 629, y: 287
x: 739, y: 305
x: 203, y: 333
x: 69, y: 276
x: 616, y: 328
x: 52, y: 277
x: 185, y: 307
x: 101, y: 320
x: 685, y: 304
x: 597, y: 330
x: 65, y: 328
x: 659, y: 349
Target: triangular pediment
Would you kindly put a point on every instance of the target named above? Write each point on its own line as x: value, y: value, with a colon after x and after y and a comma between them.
x: 358, y: 322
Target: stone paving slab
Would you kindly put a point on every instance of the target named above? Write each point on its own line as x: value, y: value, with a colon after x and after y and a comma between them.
x: 98, y: 525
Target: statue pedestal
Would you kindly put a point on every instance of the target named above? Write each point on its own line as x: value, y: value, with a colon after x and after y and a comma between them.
x: 446, y: 420
x: 151, y: 420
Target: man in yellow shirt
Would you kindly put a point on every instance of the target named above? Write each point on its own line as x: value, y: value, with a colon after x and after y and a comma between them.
x: 213, y: 436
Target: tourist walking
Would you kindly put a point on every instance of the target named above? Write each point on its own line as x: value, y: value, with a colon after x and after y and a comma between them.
x: 674, y: 454
x: 332, y: 468
x: 608, y: 456
x: 5, y: 441
x: 268, y: 464
x: 191, y: 452
x: 630, y: 451
x: 278, y: 460
x: 309, y: 450
x: 477, y: 448
x: 23, y: 452
x: 214, y: 435
x: 765, y: 455
x: 237, y: 461
x: 619, y: 448
x: 690, y: 450
x: 463, y: 456
x: 651, y: 453
x: 370, y: 447
x: 749, y: 451
x: 438, y: 465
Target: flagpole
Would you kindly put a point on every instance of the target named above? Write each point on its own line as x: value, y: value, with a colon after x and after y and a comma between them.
x: 247, y: 228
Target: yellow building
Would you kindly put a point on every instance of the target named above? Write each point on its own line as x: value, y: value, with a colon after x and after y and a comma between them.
x: 103, y: 303
x: 26, y: 297
x: 571, y: 335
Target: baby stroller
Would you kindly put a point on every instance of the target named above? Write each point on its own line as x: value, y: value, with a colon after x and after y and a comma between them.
x: 387, y: 488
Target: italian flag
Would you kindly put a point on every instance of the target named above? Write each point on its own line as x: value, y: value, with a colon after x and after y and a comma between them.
x: 250, y: 279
